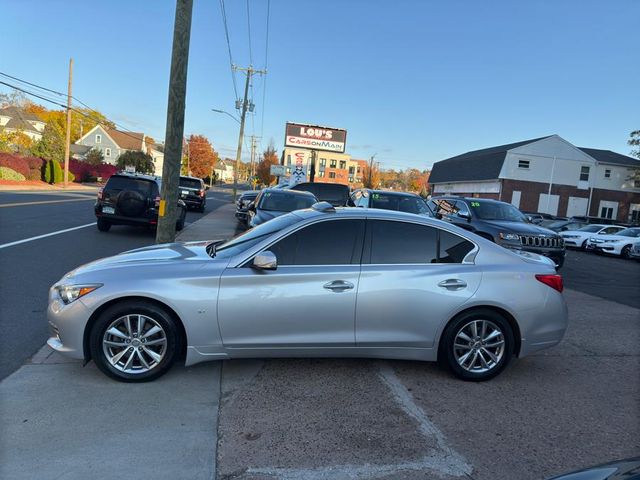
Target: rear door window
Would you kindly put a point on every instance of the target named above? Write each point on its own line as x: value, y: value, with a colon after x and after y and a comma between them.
x: 190, y: 183
x: 117, y: 184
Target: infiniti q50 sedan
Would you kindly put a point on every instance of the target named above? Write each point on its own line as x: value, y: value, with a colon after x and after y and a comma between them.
x: 321, y: 282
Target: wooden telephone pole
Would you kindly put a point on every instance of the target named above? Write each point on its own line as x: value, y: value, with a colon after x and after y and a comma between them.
x: 67, y: 143
x: 167, y: 214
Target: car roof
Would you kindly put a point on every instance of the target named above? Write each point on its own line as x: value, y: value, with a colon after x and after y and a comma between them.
x: 289, y: 192
x: 473, y: 199
x: 373, y: 213
x: 392, y: 192
x: 136, y: 176
x: 190, y: 178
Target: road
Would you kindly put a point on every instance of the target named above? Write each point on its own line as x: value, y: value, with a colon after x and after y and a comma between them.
x: 30, y: 268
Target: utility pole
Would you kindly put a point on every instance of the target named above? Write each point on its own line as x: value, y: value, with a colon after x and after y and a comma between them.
x: 67, y: 143
x: 371, y: 169
x: 168, y: 209
x: 252, y: 169
x: 245, y: 104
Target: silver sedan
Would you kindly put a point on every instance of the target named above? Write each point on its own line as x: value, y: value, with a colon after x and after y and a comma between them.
x: 320, y: 282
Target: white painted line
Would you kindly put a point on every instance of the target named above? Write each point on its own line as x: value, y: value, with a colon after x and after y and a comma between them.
x: 18, y: 242
x: 44, y: 202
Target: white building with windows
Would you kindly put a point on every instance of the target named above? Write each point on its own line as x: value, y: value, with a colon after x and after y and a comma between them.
x: 547, y: 175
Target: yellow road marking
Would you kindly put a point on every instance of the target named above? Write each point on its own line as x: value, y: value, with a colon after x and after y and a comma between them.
x: 22, y: 204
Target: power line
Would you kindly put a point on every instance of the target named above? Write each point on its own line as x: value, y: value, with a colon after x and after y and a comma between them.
x: 249, y: 32
x: 226, y: 32
x: 266, y: 58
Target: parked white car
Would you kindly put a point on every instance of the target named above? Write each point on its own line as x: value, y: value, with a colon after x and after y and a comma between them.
x: 578, y: 238
x: 619, y: 244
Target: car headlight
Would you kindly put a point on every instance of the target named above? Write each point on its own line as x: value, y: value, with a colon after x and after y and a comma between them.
x: 70, y: 293
x: 514, y: 237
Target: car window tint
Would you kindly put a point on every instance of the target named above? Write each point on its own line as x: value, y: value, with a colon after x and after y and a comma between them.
x: 334, y: 242
x: 190, y: 182
x: 401, y: 242
x: 118, y: 184
x: 453, y: 248
x: 462, y: 208
x: 285, y: 201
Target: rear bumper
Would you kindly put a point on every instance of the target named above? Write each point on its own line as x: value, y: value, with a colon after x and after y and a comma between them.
x: 194, y: 201
x: 120, y: 220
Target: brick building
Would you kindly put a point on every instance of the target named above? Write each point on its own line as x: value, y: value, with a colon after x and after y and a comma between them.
x: 331, y: 167
x: 547, y: 175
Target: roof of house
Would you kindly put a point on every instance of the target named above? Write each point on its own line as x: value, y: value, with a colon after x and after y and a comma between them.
x: 79, y: 149
x: 607, y: 156
x: 126, y: 140
x: 19, y: 119
x: 484, y: 164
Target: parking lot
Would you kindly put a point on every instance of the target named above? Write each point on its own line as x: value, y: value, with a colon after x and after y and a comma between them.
x: 565, y: 408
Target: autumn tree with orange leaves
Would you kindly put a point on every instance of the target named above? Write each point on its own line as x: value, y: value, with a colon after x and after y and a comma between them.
x: 263, y: 170
x: 202, y: 158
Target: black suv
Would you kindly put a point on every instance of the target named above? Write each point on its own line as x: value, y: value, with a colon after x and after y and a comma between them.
x: 387, y: 200
x: 501, y: 223
x: 193, y: 192
x: 129, y: 199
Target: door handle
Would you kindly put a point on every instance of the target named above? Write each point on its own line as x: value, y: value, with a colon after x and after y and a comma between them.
x: 453, y: 284
x: 338, y: 286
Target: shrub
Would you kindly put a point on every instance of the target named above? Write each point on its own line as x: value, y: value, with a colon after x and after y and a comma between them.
x: 7, y: 173
x: 53, y: 173
x: 30, y: 167
x: 85, y: 172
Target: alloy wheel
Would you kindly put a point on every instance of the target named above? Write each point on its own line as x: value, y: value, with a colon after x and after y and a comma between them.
x: 134, y: 344
x: 479, y: 346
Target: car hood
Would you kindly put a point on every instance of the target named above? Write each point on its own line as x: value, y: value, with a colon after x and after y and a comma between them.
x: 153, y: 254
x: 577, y: 232
x: 614, y: 237
x: 520, y: 227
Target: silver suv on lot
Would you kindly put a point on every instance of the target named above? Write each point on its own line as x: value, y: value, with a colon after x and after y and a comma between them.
x: 321, y: 282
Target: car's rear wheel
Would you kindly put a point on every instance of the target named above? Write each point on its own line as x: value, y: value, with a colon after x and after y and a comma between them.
x: 477, y: 345
x: 134, y: 341
x: 103, y: 225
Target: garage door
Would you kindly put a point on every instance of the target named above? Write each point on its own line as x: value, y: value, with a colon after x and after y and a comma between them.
x: 577, y: 206
x: 548, y: 204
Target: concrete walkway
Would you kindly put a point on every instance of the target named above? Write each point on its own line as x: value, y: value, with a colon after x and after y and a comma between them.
x: 60, y: 420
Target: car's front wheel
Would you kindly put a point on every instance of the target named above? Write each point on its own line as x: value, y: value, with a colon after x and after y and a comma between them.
x: 134, y: 341
x: 477, y: 345
x: 626, y: 252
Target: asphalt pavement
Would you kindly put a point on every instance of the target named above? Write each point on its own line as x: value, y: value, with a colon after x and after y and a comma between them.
x: 28, y: 269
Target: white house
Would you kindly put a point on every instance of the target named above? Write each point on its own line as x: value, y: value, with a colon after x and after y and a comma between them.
x: 224, y: 170
x: 14, y: 119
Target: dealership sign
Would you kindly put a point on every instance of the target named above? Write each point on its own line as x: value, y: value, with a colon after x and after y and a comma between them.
x: 314, y: 137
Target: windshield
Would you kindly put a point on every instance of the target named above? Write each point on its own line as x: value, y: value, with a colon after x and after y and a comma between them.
x: 190, y: 183
x: 400, y: 203
x: 496, y: 211
x: 629, y: 232
x: 590, y: 228
x: 248, y: 239
x: 283, y: 201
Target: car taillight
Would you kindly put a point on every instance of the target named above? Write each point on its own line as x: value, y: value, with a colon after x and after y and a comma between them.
x: 157, y: 202
x: 553, y: 281
x: 100, y: 195
x: 201, y: 193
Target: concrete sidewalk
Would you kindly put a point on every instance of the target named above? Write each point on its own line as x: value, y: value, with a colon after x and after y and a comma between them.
x: 60, y: 420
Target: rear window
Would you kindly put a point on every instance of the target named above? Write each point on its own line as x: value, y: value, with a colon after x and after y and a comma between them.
x: 335, y: 194
x: 119, y: 184
x: 400, y: 203
x: 285, y: 201
x: 190, y: 183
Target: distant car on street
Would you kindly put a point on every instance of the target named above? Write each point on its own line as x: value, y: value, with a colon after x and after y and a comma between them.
x: 132, y: 199
x: 620, y: 243
x: 271, y: 203
x: 501, y: 223
x: 578, y: 238
x: 562, y: 225
x: 242, y: 205
x: 193, y: 192
x: 390, y: 200
x: 334, y: 193
x: 320, y: 282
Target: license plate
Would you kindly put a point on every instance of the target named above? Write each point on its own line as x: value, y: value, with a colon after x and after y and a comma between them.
x: 110, y: 210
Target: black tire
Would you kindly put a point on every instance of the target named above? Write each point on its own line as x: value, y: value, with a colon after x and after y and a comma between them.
x: 180, y: 222
x: 104, y: 225
x: 583, y: 247
x: 626, y: 252
x: 157, y: 314
x: 447, y: 352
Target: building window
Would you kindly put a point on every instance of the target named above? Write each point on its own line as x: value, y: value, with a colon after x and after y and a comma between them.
x: 343, y: 164
x: 358, y: 169
x: 350, y: 179
x: 323, y: 162
x: 607, y: 173
x: 333, y: 163
x: 523, y: 164
x: 107, y: 152
x: 332, y: 174
x: 584, y: 174
x: 288, y: 159
x: 352, y: 170
x: 98, y: 138
x: 321, y: 173
x: 606, y: 212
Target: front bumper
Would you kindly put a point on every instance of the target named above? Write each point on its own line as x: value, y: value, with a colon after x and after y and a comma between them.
x: 67, y: 325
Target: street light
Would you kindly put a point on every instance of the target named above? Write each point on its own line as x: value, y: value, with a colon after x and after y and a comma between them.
x: 226, y: 113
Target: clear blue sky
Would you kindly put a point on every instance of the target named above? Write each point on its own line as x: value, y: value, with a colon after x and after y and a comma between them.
x: 413, y: 81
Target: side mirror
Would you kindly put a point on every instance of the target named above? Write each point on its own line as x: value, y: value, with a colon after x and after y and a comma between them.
x: 265, y: 261
x: 466, y: 216
x: 252, y: 206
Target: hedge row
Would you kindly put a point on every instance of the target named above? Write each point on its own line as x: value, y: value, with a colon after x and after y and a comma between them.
x: 29, y: 167
x: 34, y: 168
